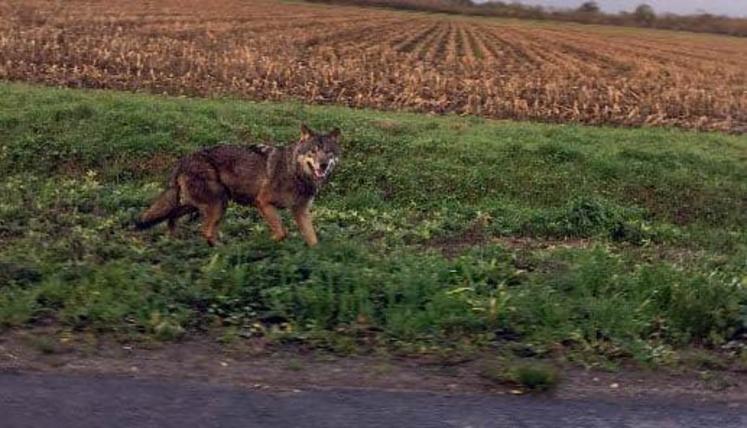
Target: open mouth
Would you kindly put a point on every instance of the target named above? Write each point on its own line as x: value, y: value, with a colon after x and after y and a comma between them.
x: 319, y: 173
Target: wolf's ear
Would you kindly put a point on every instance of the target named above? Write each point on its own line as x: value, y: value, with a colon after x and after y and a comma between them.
x: 306, y: 132
x: 335, y: 134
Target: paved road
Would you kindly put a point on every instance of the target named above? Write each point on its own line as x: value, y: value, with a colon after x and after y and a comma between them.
x: 53, y: 401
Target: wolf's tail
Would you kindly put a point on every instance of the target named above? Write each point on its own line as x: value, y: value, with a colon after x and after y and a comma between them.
x: 163, y: 208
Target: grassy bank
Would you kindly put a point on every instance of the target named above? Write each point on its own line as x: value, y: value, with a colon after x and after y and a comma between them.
x: 436, y: 232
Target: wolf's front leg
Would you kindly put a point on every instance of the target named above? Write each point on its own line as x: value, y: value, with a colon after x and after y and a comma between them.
x: 302, y: 215
x: 272, y: 217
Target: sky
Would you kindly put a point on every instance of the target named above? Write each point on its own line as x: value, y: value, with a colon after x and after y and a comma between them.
x: 719, y: 7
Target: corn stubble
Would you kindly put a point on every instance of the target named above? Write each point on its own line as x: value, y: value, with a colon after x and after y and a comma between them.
x: 268, y: 50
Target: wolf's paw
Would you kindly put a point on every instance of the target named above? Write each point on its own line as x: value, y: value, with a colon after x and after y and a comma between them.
x: 277, y: 237
x: 212, y: 241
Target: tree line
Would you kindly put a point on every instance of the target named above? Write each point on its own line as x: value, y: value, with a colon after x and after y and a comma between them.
x: 587, y: 12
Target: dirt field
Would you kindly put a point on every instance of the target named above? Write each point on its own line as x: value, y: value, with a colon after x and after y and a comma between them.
x: 267, y: 49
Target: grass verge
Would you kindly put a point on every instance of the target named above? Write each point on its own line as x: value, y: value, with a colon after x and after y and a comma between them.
x: 437, y: 233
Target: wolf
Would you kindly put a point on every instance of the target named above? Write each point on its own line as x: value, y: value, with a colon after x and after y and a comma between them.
x: 269, y: 178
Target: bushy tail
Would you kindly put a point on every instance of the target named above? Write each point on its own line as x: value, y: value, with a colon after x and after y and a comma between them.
x: 162, y: 209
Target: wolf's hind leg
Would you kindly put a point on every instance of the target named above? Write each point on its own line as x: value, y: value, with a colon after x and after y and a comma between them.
x: 172, y: 227
x: 211, y: 217
x: 176, y: 214
x: 210, y: 198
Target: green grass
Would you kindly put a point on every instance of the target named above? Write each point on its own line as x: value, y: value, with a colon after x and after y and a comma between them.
x: 416, y: 230
x: 529, y: 375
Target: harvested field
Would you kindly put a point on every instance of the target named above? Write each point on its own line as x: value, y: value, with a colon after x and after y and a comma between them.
x: 269, y: 50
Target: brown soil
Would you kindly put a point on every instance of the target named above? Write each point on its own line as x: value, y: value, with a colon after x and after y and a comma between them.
x: 253, y: 363
x: 474, y: 236
x: 528, y: 243
x: 453, y: 245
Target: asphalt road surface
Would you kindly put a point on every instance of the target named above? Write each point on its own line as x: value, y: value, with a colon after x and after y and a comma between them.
x: 41, y: 401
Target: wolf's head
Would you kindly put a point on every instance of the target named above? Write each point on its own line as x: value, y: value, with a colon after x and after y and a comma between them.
x: 317, y: 154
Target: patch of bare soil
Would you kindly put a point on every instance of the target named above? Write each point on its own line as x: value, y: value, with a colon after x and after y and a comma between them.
x: 453, y: 246
x: 529, y: 243
x: 477, y: 235
x: 253, y: 363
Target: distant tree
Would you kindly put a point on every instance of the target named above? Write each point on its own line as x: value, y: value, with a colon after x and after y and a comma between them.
x: 589, y: 7
x: 645, y: 13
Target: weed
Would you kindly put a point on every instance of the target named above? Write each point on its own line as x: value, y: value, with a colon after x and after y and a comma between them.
x: 535, y: 376
x: 701, y: 360
x: 229, y: 335
x: 45, y: 344
x: 529, y: 375
x: 294, y: 365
